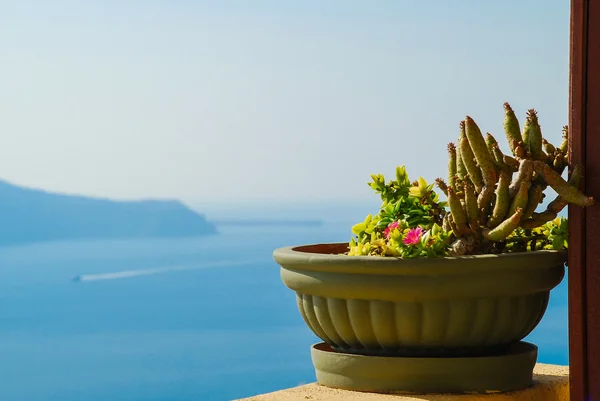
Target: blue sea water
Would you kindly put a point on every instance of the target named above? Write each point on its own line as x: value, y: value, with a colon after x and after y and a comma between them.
x: 174, y: 319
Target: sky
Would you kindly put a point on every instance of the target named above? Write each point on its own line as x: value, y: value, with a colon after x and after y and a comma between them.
x: 230, y: 100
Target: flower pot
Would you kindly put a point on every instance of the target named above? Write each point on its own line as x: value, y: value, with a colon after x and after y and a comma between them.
x: 454, y: 306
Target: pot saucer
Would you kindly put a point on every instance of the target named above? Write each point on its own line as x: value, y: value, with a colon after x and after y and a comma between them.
x: 510, y: 371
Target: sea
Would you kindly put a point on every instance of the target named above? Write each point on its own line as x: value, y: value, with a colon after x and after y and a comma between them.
x: 177, y: 319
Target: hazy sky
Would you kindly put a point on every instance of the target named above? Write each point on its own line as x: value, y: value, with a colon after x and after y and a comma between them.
x: 263, y: 99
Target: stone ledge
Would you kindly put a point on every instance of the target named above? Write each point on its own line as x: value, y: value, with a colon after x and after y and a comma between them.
x: 551, y: 383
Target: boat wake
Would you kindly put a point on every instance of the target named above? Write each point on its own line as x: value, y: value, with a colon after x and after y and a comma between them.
x: 157, y: 270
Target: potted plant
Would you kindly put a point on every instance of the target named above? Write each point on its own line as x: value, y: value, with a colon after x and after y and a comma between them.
x: 436, y: 296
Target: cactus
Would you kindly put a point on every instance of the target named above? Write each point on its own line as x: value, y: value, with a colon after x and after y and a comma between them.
x: 452, y: 166
x: 511, y: 127
x: 540, y: 165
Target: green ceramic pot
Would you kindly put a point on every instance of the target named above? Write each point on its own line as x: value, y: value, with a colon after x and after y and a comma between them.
x: 420, y: 307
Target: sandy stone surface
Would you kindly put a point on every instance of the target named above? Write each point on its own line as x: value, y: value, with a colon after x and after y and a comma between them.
x: 551, y: 384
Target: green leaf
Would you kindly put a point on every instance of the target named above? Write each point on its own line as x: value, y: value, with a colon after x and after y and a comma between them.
x: 359, y: 228
x: 557, y: 243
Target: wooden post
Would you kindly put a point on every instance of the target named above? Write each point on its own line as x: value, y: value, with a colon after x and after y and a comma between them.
x: 584, y: 224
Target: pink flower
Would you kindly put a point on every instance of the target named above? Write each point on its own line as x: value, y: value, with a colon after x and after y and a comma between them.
x: 389, y: 228
x: 413, y: 236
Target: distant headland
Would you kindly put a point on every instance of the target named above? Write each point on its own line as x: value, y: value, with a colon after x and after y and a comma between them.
x: 32, y: 215
x: 267, y: 222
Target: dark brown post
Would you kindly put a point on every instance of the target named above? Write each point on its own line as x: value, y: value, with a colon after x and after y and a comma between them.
x: 584, y: 225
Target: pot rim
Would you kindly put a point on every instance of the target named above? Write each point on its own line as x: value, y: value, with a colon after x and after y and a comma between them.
x: 304, y: 257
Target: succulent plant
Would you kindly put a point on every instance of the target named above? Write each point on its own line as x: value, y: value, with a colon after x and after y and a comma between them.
x: 409, y: 221
x: 492, y: 198
x: 496, y: 194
